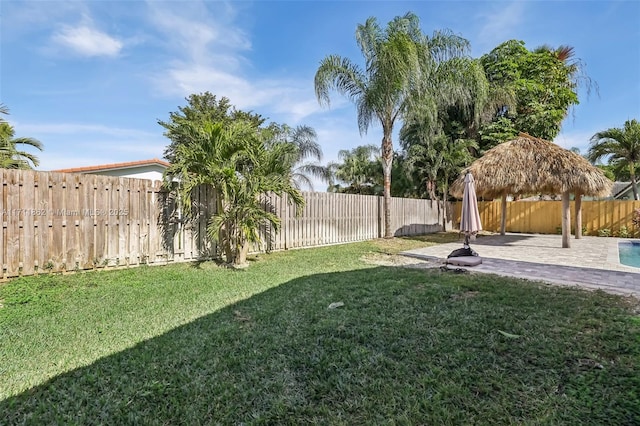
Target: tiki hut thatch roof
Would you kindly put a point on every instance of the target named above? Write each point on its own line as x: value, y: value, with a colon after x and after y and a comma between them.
x: 528, y: 165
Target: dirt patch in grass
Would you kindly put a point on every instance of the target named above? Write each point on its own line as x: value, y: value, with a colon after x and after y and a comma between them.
x: 397, y: 244
x: 465, y: 295
x: 384, y: 259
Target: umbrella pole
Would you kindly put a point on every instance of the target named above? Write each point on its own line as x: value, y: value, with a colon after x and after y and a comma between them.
x: 578, y: 220
x: 566, y: 220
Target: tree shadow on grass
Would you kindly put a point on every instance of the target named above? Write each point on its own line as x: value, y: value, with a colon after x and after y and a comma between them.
x: 407, y: 345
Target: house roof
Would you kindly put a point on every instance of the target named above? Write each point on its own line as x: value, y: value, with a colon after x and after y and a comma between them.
x: 619, y: 188
x: 115, y: 166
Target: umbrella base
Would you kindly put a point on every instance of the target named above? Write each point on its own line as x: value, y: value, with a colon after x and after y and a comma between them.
x: 465, y: 251
x: 464, y: 260
x: 465, y: 256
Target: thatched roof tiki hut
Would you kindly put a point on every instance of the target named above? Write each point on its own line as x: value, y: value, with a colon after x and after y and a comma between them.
x: 528, y: 165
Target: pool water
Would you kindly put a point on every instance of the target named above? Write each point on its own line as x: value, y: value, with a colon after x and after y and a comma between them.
x: 629, y: 253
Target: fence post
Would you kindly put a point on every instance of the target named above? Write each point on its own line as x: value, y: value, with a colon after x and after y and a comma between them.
x: 380, y: 217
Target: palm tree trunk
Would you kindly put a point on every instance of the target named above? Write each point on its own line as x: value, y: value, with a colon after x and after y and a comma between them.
x: 223, y: 245
x: 634, y: 184
x: 444, y: 206
x: 431, y: 190
x: 242, y: 249
x: 387, y: 160
x: 225, y: 234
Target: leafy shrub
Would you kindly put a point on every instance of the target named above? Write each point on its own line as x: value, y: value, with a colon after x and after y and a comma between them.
x: 604, y: 232
x: 636, y: 218
x: 624, y: 232
x: 584, y: 229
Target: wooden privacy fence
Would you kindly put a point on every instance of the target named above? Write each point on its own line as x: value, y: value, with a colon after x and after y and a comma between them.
x: 57, y: 222
x: 544, y: 217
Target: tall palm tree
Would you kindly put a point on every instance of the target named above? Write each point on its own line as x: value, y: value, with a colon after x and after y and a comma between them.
x: 424, y: 159
x: 619, y: 171
x: 307, y: 154
x: 357, y: 169
x: 11, y: 154
x: 398, y: 61
x: 379, y: 91
x: 435, y: 159
x: 622, y: 146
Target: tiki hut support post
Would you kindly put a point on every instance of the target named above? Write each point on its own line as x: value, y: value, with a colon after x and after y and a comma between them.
x: 566, y: 220
x: 503, y: 216
x: 578, y: 220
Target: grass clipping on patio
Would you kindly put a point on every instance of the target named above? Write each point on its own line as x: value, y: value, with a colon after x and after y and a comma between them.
x: 200, y: 344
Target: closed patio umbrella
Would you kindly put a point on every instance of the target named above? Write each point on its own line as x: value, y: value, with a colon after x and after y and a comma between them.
x: 470, y: 223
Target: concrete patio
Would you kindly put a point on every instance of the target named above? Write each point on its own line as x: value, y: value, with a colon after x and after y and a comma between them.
x: 591, y: 262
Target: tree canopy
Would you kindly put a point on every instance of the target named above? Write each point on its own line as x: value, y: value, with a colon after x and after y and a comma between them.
x: 544, y: 81
x: 359, y: 171
x: 514, y: 90
x: 216, y: 146
x: 201, y: 108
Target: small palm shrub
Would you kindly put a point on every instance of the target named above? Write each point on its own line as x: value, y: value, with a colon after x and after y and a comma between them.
x: 636, y: 218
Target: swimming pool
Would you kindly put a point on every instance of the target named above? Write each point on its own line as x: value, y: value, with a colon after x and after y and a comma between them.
x: 629, y: 252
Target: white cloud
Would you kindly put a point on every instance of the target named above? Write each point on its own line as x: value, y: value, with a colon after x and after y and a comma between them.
x: 193, y: 31
x: 569, y: 138
x: 19, y: 19
x: 578, y: 140
x: 298, y: 109
x: 78, y: 144
x: 209, y: 52
x: 87, y: 41
x: 500, y: 23
x: 193, y: 77
x: 78, y: 128
x: 291, y: 98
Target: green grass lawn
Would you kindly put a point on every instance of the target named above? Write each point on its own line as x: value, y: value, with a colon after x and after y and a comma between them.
x: 201, y: 344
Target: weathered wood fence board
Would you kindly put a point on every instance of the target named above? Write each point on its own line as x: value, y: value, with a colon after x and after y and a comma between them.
x: 53, y: 221
x: 59, y: 222
x: 544, y: 217
x: 415, y: 216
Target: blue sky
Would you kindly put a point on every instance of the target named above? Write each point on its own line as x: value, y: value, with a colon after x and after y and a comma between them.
x: 90, y: 79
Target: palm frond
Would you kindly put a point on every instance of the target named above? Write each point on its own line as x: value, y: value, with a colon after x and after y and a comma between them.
x: 28, y: 141
x: 444, y: 45
x: 369, y: 37
x: 5, y: 111
x: 340, y: 74
x: 305, y: 139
